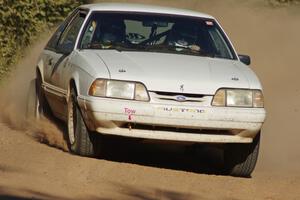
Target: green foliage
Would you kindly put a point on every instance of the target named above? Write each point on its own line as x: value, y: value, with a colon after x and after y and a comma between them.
x: 21, y: 20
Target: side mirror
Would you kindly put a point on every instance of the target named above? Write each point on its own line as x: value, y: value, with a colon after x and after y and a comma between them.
x: 245, y: 59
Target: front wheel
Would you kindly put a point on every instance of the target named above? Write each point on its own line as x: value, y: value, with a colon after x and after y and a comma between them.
x: 240, y: 159
x: 81, y: 140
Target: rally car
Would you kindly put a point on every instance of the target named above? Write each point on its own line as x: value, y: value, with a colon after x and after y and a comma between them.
x: 154, y: 73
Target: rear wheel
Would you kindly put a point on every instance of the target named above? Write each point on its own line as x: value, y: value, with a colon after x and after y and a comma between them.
x: 37, y: 105
x: 240, y: 159
x: 81, y: 140
x: 31, y: 110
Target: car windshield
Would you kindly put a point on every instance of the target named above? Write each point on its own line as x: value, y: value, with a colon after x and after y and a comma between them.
x: 156, y: 33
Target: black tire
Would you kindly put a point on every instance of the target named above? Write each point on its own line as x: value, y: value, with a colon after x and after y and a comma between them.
x: 81, y: 140
x: 240, y: 159
x: 37, y: 105
x: 43, y: 108
x: 31, y: 109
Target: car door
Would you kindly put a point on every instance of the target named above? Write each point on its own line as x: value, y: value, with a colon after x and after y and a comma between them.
x: 65, y: 47
x: 50, y: 55
x: 57, y: 61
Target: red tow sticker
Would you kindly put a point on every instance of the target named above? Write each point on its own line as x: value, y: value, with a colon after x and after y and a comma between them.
x: 129, y: 112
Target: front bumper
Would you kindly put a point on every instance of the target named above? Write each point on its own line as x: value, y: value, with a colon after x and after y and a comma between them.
x: 225, y: 125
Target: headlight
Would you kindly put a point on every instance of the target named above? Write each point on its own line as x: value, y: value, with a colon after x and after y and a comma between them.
x: 238, y: 98
x: 119, y: 89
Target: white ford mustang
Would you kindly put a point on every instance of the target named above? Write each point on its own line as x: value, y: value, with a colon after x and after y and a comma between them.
x: 151, y: 73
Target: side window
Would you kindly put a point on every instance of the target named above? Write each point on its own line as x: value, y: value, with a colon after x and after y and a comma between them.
x: 51, y: 45
x: 69, y: 36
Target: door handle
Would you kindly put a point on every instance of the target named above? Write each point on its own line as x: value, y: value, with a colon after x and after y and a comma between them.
x: 50, y: 61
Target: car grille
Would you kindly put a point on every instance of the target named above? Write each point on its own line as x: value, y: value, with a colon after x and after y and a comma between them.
x: 180, y: 98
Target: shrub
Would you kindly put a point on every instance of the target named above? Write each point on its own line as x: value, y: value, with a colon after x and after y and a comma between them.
x: 21, y: 20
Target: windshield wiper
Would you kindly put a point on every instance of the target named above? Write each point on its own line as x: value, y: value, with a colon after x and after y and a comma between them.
x: 116, y: 46
x: 179, y: 49
x: 190, y: 50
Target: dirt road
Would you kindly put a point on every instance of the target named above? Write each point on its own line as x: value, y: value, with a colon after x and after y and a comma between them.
x: 31, y: 169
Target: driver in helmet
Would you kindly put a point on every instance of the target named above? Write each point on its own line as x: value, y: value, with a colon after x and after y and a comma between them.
x: 183, y: 36
x: 112, y: 31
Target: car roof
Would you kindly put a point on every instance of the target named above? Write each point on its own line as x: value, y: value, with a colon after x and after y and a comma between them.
x: 143, y: 8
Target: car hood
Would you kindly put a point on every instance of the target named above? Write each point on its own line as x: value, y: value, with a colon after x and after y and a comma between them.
x: 178, y: 73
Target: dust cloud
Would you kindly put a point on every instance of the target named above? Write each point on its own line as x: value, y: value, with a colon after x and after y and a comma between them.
x: 13, y: 100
